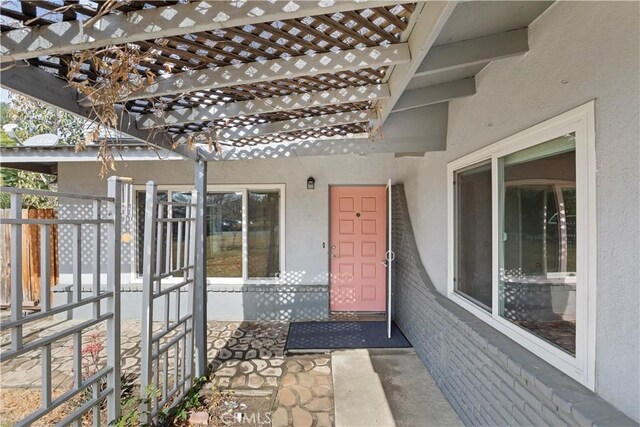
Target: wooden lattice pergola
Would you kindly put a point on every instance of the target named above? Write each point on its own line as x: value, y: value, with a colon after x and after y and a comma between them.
x: 256, y: 72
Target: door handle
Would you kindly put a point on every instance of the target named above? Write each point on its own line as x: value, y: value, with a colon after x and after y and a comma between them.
x: 384, y: 262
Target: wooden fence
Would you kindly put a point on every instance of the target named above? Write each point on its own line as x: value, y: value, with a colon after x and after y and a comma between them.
x: 30, y: 256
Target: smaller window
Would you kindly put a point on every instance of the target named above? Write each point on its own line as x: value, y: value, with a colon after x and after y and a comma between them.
x: 243, y: 227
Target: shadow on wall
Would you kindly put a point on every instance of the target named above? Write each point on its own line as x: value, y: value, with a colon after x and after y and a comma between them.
x: 283, y: 302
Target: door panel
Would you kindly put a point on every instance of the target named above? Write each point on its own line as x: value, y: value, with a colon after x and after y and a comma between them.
x: 357, y: 247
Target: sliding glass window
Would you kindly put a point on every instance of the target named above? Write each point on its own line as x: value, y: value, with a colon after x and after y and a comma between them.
x: 538, y: 280
x: 522, y: 236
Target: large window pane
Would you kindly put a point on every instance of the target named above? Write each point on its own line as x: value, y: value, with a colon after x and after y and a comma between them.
x: 264, y: 234
x: 473, y: 234
x: 224, y: 234
x: 538, y: 245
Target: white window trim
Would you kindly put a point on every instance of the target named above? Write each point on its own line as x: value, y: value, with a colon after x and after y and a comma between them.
x: 580, y: 120
x: 227, y: 188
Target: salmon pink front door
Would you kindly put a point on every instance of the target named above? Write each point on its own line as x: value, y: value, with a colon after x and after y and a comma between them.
x: 357, y: 248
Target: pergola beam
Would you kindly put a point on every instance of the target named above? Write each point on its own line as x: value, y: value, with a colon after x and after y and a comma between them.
x: 474, y: 51
x: 418, y: 130
x: 37, y: 84
x: 263, y: 106
x: 434, y: 94
x: 275, y: 69
x: 285, y: 126
x: 429, y: 21
x: 147, y: 24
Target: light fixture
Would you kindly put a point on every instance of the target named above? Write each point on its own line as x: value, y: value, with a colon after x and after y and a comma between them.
x: 311, y: 183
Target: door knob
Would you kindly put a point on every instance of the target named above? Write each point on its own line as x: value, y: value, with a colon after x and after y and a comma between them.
x: 333, y: 248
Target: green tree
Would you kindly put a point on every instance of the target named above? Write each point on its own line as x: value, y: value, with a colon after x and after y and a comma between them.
x: 3, y: 112
x: 34, y: 118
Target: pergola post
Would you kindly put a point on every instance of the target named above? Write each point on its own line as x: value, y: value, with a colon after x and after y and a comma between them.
x: 200, y: 309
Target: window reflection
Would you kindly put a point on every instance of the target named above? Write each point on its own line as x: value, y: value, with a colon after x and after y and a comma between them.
x: 264, y: 234
x: 538, y: 243
x: 224, y: 234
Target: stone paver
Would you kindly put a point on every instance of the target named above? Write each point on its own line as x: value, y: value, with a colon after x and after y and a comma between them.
x: 248, y: 364
x: 246, y: 355
x: 305, y: 396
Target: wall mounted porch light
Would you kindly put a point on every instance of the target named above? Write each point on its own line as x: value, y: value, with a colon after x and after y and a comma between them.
x: 311, y: 183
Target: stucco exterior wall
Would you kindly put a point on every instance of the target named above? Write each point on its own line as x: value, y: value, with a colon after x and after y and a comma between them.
x: 578, y: 52
x: 306, y: 211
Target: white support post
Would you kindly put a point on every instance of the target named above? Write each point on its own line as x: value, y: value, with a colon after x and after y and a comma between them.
x: 146, y: 373
x: 114, y: 231
x: 200, y: 286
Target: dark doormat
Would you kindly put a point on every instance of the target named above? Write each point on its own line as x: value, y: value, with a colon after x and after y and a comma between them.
x: 343, y: 335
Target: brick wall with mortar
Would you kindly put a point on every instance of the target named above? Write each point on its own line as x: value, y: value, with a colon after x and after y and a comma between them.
x: 488, y: 378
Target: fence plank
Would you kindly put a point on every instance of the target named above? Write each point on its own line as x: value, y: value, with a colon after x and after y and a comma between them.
x: 5, y: 257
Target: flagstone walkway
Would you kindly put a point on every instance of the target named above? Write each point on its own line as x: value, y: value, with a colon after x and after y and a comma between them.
x: 260, y: 385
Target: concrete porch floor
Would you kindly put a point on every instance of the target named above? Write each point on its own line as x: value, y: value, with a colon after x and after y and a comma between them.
x: 387, y: 387
x: 263, y: 386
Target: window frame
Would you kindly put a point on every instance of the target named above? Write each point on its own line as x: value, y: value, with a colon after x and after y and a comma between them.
x: 231, y: 188
x: 581, y: 121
